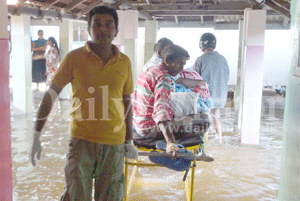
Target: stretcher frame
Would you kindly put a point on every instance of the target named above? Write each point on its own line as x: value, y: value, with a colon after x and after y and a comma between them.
x: 189, y: 181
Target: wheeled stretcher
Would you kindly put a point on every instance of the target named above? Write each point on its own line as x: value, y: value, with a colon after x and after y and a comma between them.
x: 192, y: 141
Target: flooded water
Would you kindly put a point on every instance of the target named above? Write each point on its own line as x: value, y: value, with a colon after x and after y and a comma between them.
x: 239, y: 172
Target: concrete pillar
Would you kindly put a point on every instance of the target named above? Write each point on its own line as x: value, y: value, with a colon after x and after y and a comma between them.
x: 119, y: 41
x: 150, y: 38
x: 289, y: 184
x: 238, y: 100
x: 254, y: 34
x: 21, y: 64
x: 126, y: 39
x: 65, y: 45
x: 6, y: 185
x: 131, y: 18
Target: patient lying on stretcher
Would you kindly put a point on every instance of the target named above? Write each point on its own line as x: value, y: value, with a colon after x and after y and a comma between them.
x: 153, y: 116
x: 204, y: 101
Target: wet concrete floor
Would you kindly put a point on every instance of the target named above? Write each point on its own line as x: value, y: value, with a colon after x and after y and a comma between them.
x: 239, y: 172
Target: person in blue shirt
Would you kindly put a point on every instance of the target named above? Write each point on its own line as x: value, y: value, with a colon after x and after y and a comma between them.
x: 38, y: 47
x: 214, y: 69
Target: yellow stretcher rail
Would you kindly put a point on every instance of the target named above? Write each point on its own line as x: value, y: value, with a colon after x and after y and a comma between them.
x: 189, y: 182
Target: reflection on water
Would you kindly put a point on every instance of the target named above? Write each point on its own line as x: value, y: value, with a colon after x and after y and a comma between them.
x: 239, y: 172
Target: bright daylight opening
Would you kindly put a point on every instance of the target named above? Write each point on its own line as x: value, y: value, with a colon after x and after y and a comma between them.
x: 12, y: 2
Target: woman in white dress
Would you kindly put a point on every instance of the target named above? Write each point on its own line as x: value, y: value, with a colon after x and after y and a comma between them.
x: 52, y: 60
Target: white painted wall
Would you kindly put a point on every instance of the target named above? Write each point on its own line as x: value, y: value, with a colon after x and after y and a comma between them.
x: 140, y: 50
x: 277, y: 56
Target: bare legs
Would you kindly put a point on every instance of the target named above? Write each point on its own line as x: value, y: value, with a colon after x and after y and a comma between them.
x: 218, y: 128
x: 37, y: 87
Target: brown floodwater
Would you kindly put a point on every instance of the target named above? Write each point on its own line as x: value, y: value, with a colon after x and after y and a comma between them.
x: 239, y: 172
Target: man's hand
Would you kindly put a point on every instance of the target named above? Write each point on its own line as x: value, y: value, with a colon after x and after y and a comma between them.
x: 203, y: 84
x: 172, y: 148
x: 130, y: 150
x: 35, y: 147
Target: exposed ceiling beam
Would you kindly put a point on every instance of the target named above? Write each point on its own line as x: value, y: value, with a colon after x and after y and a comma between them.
x: 71, y: 6
x: 122, y: 4
x: 144, y: 15
x: 285, y: 21
x: 47, y: 21
x: 89, y: 7
x: 47, y: 6
x: 255, y: 3
x: 20, y: 2
x: 195, y: 13
x: 125, y: 5
x: 35, y: 12
x: 212, y: 7
x: 201, y: 18
x: 279, y: 9
x: 204, y: 13
x: 148, y: 2
x: 176, y: 19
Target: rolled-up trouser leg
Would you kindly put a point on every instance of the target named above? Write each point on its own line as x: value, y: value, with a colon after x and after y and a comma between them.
x: 79, y: 171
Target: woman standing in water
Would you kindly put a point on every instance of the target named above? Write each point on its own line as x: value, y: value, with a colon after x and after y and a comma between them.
x: 52, y: 58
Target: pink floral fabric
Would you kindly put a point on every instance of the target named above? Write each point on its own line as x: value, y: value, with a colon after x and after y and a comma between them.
x: 191, y: 74
x: 52, y: 59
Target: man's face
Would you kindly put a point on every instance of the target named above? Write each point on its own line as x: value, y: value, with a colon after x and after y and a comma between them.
x: 176, y: 66
x: 41, y: 35
x: 102, y: 29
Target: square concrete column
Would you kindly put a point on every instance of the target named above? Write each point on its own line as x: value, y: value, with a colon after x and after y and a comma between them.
x: 126, y: 39
x: 65, y: 45
x: 150, y: 38
x: 289, y: 182
x: 131, y: 18
x: 254, y: 35
x: 119, y: 40
x: 6, y: 184
x: 238, y: 100
x: 21, y: 64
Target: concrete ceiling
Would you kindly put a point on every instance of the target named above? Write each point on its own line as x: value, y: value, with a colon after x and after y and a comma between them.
x: 172, y: 13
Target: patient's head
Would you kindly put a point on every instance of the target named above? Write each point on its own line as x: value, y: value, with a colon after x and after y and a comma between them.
x: 161, y: 45
x: 175, y: 58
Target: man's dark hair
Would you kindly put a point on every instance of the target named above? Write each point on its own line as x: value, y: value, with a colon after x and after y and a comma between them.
x: 172, y: 52
x: 40, y: 31
x: 103, y: 10
x: 162, y: 44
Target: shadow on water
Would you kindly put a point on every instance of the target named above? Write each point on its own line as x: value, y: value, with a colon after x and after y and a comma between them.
x: 239, y: 172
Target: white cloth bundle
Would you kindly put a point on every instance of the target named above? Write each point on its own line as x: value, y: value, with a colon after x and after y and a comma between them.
x: 184, y: 103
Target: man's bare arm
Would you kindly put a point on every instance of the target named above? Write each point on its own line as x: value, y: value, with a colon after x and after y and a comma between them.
x: 128, y: 116
x: 34, y: 48
x: 165, y: 127
x: 46, y: 106
x: 190, y: 83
